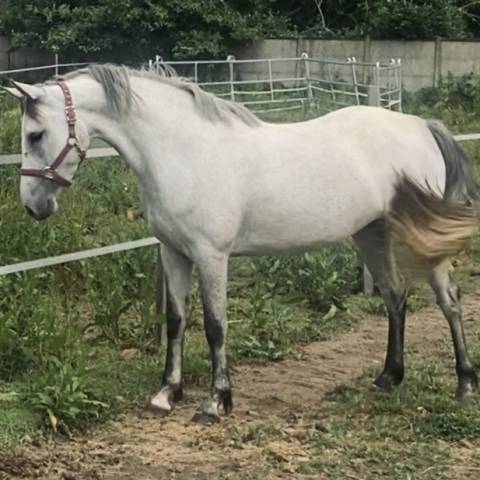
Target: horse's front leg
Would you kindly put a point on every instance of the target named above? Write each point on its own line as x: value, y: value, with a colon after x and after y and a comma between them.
x: 213, y: 284
x: 178, y: 271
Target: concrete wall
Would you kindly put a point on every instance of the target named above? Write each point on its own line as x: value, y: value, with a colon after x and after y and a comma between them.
x: 459, y: 57
x: 21, y: 58
x: 418, y: 60
x: 423, y: 62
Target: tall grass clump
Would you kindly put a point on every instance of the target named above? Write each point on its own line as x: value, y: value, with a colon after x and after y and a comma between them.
x: 9, y: 124
x: 324, y: 278
x: 456, y: 101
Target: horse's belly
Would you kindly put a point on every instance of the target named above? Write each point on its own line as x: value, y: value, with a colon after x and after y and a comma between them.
x: 306, y: 222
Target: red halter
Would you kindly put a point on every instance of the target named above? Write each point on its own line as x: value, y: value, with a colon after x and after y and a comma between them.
x: 50, y: 172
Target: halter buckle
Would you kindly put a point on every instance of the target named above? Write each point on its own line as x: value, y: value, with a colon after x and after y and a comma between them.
x: 48, y: 173
x: 70, y: 114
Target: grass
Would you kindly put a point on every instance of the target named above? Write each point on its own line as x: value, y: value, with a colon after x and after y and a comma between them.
x: 407, y: 434
x: 419, y: 431
x: 63, y: 330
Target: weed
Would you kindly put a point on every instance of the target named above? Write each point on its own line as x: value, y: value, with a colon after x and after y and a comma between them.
x: 323, y: 279
x: 257, y: 433
x: 62, y: 395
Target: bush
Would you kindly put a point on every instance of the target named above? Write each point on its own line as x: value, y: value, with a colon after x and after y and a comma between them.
x: 62, y: 394
x: 9, y: 125
x: 456, y: 101
x: 323, y: 279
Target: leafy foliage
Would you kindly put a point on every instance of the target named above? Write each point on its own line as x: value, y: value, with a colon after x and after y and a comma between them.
x: 63, y: 395
x: 186, y: 28
x: 405, y: 19
x: 323, y: 279
x: 192, y: 28
x: 10, y: 125
x: 456, y: 101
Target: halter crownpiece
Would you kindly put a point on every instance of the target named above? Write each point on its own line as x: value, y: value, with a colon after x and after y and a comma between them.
x: 50, y: 172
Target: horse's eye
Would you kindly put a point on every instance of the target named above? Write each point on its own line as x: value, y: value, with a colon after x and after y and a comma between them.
x: 35, y: 137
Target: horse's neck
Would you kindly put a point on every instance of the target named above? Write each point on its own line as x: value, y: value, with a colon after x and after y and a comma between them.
x: 152, y: 132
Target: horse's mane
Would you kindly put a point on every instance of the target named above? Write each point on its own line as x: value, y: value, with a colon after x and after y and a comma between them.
x: 115, y: 81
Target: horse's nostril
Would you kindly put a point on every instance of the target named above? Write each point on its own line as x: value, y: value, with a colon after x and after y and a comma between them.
x: 30, y: 211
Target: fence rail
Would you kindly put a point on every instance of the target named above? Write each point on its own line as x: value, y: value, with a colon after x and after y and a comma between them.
x: 115, y: 248
x: 381, y: 83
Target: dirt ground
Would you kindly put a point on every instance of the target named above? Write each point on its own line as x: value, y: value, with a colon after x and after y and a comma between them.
x: 145, y: 447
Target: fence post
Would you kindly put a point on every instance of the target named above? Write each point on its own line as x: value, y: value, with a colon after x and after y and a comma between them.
x: 332, y: 87
x: 400, y: 86
x: 56, y: 64
x: 195, y: 72
x: 389, y: 82
x: 353, y: 61
x: 437, y: 62
x: 306, y: 61
x: 160, y: 300
x: 231, y: 60
x: 270, y: 80
x: 366, y: 57
x: 158, y: 61
x: 374, y: 90
x: 377, y: 83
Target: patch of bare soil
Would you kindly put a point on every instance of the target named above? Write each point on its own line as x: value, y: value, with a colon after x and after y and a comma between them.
x: 277, y: 395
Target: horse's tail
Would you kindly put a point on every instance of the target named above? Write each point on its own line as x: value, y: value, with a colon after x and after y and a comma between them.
x: 433, y: 227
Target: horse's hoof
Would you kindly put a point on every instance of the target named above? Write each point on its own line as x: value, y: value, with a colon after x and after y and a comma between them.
x: 158, y: 411
x: 226, y: 400
x: 207, y: 419
x: 387, y: 381
x: 467, y: 385
x: 160, y: 405
x: 465, y: 392
x: 383, y: 384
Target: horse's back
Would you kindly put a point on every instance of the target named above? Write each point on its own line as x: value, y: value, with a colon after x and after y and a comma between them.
x: 322, y: 180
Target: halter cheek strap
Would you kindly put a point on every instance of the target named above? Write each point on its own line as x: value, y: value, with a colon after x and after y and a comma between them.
x: 50, y: 172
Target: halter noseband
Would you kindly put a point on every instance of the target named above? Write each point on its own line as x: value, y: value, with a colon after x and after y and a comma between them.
x: 50, y: 172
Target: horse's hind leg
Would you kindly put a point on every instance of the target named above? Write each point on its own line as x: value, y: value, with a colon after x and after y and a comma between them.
x: 178, y: 271
x: 374, y: 244
x: 448, y: 299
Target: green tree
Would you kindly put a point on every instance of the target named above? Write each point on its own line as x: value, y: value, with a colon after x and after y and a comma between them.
x: 192, y: 28
x: 402, y: 19
x: 186, y: 28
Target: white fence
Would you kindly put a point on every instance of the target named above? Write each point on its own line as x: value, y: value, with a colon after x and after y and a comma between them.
x: 326, y: 77
x: 268, y: 84
x: 280, y: 83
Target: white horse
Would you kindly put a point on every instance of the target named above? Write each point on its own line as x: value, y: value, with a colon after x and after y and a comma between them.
x: 216, y: 181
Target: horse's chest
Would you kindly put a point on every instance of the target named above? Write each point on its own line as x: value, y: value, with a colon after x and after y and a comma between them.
x: 168, y: 228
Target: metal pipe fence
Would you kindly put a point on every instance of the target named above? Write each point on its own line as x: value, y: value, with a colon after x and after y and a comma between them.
x: 306, y: 81
x: 258, y: 85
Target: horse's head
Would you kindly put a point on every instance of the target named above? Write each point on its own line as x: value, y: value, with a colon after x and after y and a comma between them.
x: 54, y: 141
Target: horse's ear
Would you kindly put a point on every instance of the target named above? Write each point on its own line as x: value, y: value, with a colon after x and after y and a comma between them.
x: 13, y: 92
x: 31, y: 92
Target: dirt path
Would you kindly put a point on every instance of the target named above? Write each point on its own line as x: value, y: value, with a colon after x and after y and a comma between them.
x: 281, y: 395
